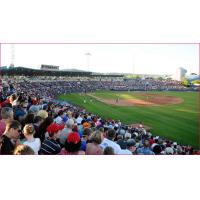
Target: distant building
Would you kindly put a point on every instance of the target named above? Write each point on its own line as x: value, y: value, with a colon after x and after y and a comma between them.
x: 179, y: 74
x: 49, y: 67
x: 193, y: 77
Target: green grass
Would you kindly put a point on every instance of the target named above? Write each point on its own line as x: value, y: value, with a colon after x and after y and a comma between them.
x: 121, y: 95
x: 177, y: 122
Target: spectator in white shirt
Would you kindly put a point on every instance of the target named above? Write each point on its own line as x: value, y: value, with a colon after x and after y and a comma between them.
x: 109, y: 141
x: 32, y: 142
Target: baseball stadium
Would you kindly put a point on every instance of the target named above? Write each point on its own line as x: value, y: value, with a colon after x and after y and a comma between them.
x: 48, y: 111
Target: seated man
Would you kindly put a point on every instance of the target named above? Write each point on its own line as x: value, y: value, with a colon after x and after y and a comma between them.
x: 7, y: 115
x: 9, y: 139
x: 109, y: 141
x: 50, y: 146
x: 145, y: 150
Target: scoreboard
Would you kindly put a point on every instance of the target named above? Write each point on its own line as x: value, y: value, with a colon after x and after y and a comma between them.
x: 49, y: 67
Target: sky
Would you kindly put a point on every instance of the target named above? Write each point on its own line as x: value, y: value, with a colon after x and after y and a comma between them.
x: 120, y: 58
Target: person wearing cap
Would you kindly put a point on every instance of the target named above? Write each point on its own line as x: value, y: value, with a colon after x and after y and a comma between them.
x: 50, y: 146
x: 169, y: 151
x: 127, y: 136
x: 19, y: 114
x: 130, y: 148
x: 33, y: 109
x: 122, y: 131
x: 85, y: 138
x: 86, y: 125
x: 72, y: 145
x: 43, y: 114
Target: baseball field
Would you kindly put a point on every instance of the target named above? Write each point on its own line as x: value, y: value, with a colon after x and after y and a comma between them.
x: 172, y: 115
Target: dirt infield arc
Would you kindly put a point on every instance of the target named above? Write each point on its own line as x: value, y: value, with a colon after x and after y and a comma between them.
x: 151, y: 100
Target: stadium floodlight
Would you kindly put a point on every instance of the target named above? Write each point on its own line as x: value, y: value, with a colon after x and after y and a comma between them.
x: 88, y: 60
x: 12, y: 55
x: 133, y: 66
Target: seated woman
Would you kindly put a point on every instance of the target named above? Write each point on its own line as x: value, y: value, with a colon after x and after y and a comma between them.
x: 93, y: 147
x: 23, y: 150
x: 30, y: 141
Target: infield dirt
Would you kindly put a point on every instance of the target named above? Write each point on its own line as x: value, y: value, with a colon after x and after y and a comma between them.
x: 151, y: 100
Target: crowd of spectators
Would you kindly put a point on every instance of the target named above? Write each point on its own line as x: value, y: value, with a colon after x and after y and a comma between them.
x: 53, y: 86
x: 32, y: 122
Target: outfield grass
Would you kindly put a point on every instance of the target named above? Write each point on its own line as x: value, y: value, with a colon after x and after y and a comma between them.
x: 177, y: 122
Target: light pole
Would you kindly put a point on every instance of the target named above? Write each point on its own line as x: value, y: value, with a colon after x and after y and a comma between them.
x: 133, y: 66
x: 88, y: 60
x: 146, y: 85
x: 12, y: 64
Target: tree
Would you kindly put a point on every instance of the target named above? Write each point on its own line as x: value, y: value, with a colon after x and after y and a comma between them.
x: 196, y: 82
x: 160, y: 78
x: 186, y: 82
